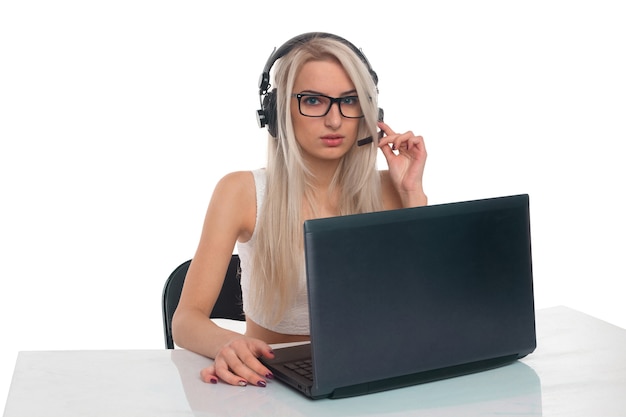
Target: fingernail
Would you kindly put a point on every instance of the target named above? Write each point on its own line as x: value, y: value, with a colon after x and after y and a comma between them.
x: 242, y: 383
x: 213, y: 380
x: 261, y: 384
x: 269, y: 376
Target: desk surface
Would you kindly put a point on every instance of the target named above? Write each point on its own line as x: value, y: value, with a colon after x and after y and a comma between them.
x: 578, y: 369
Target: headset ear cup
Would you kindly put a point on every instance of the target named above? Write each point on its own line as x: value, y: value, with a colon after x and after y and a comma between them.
x: 269, y: 108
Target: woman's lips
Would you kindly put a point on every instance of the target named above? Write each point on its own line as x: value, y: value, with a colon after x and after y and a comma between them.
x: 332, y: 140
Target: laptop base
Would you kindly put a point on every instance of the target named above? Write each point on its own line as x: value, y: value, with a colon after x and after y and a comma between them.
x: 422, y: 377
x: 292, y: 354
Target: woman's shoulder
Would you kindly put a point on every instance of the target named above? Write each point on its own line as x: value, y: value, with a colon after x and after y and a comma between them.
x: 243, y: 178
x: 236, y: 184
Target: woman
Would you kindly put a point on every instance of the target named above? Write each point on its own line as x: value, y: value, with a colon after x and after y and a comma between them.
x: 324, y: 103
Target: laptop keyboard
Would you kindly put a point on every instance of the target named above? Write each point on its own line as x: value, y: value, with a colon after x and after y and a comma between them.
x: 303, y: 368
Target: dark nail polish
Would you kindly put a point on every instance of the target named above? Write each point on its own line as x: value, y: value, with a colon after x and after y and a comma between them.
x: 269, y: 376
x: 261, y: 384
x: 213, y: 380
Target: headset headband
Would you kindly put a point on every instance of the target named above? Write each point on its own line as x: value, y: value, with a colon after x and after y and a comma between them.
x: 264, y: 80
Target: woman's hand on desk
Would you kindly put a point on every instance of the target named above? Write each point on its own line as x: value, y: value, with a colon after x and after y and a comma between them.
x: 237, y: 363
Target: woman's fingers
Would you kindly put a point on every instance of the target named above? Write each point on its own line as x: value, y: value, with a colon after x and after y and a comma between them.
x: 238, y: 364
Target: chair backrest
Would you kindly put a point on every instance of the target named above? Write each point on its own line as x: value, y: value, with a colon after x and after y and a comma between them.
x: 227, y: 306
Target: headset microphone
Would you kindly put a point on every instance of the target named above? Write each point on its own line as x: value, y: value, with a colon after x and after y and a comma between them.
x: 364, y: 141
x: 370, y: 139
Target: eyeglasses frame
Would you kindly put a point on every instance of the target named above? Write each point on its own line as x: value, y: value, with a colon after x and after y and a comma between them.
x: 333, y: 100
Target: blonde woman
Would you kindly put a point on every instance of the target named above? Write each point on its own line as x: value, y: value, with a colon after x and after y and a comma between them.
x: 323, y: 121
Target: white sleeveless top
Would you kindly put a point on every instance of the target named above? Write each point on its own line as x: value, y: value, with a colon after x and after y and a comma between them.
x: 296, y: 319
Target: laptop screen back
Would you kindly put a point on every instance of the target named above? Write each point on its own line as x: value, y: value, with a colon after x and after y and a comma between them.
x: 404, y: 291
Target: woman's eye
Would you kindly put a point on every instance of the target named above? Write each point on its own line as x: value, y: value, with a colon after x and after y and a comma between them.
x: 311, y: 101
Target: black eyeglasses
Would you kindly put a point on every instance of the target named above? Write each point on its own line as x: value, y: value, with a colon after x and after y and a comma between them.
x: 318, y: 105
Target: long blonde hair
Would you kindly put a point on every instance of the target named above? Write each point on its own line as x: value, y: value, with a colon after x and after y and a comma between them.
x: 279, y: 259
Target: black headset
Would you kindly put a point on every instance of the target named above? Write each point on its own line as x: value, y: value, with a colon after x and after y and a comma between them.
x: 267, y: 115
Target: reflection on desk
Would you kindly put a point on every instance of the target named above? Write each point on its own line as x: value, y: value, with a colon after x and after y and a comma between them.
x: 578, y: 369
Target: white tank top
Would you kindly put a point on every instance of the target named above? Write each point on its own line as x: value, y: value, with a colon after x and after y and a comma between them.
x: 296, y: 319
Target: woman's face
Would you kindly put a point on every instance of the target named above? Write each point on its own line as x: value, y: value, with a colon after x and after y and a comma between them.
x: 331, y: 136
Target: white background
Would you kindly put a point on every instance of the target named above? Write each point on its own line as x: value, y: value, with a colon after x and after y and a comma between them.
x: 118, y: 117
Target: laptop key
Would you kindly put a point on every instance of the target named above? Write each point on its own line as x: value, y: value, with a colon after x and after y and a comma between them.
x: 303, y: 368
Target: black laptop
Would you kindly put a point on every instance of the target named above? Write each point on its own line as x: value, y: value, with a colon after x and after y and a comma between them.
x: 413, y: 295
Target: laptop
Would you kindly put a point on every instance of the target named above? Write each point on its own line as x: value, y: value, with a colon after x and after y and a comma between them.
x: 413, y: 295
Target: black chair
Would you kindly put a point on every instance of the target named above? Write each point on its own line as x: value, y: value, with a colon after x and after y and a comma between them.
x: 227, y: 306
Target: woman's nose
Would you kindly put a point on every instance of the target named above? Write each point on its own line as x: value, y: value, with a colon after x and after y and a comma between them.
x: 333, y: 117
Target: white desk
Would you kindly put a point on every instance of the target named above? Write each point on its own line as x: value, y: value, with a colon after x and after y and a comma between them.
x: 578, y: 369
